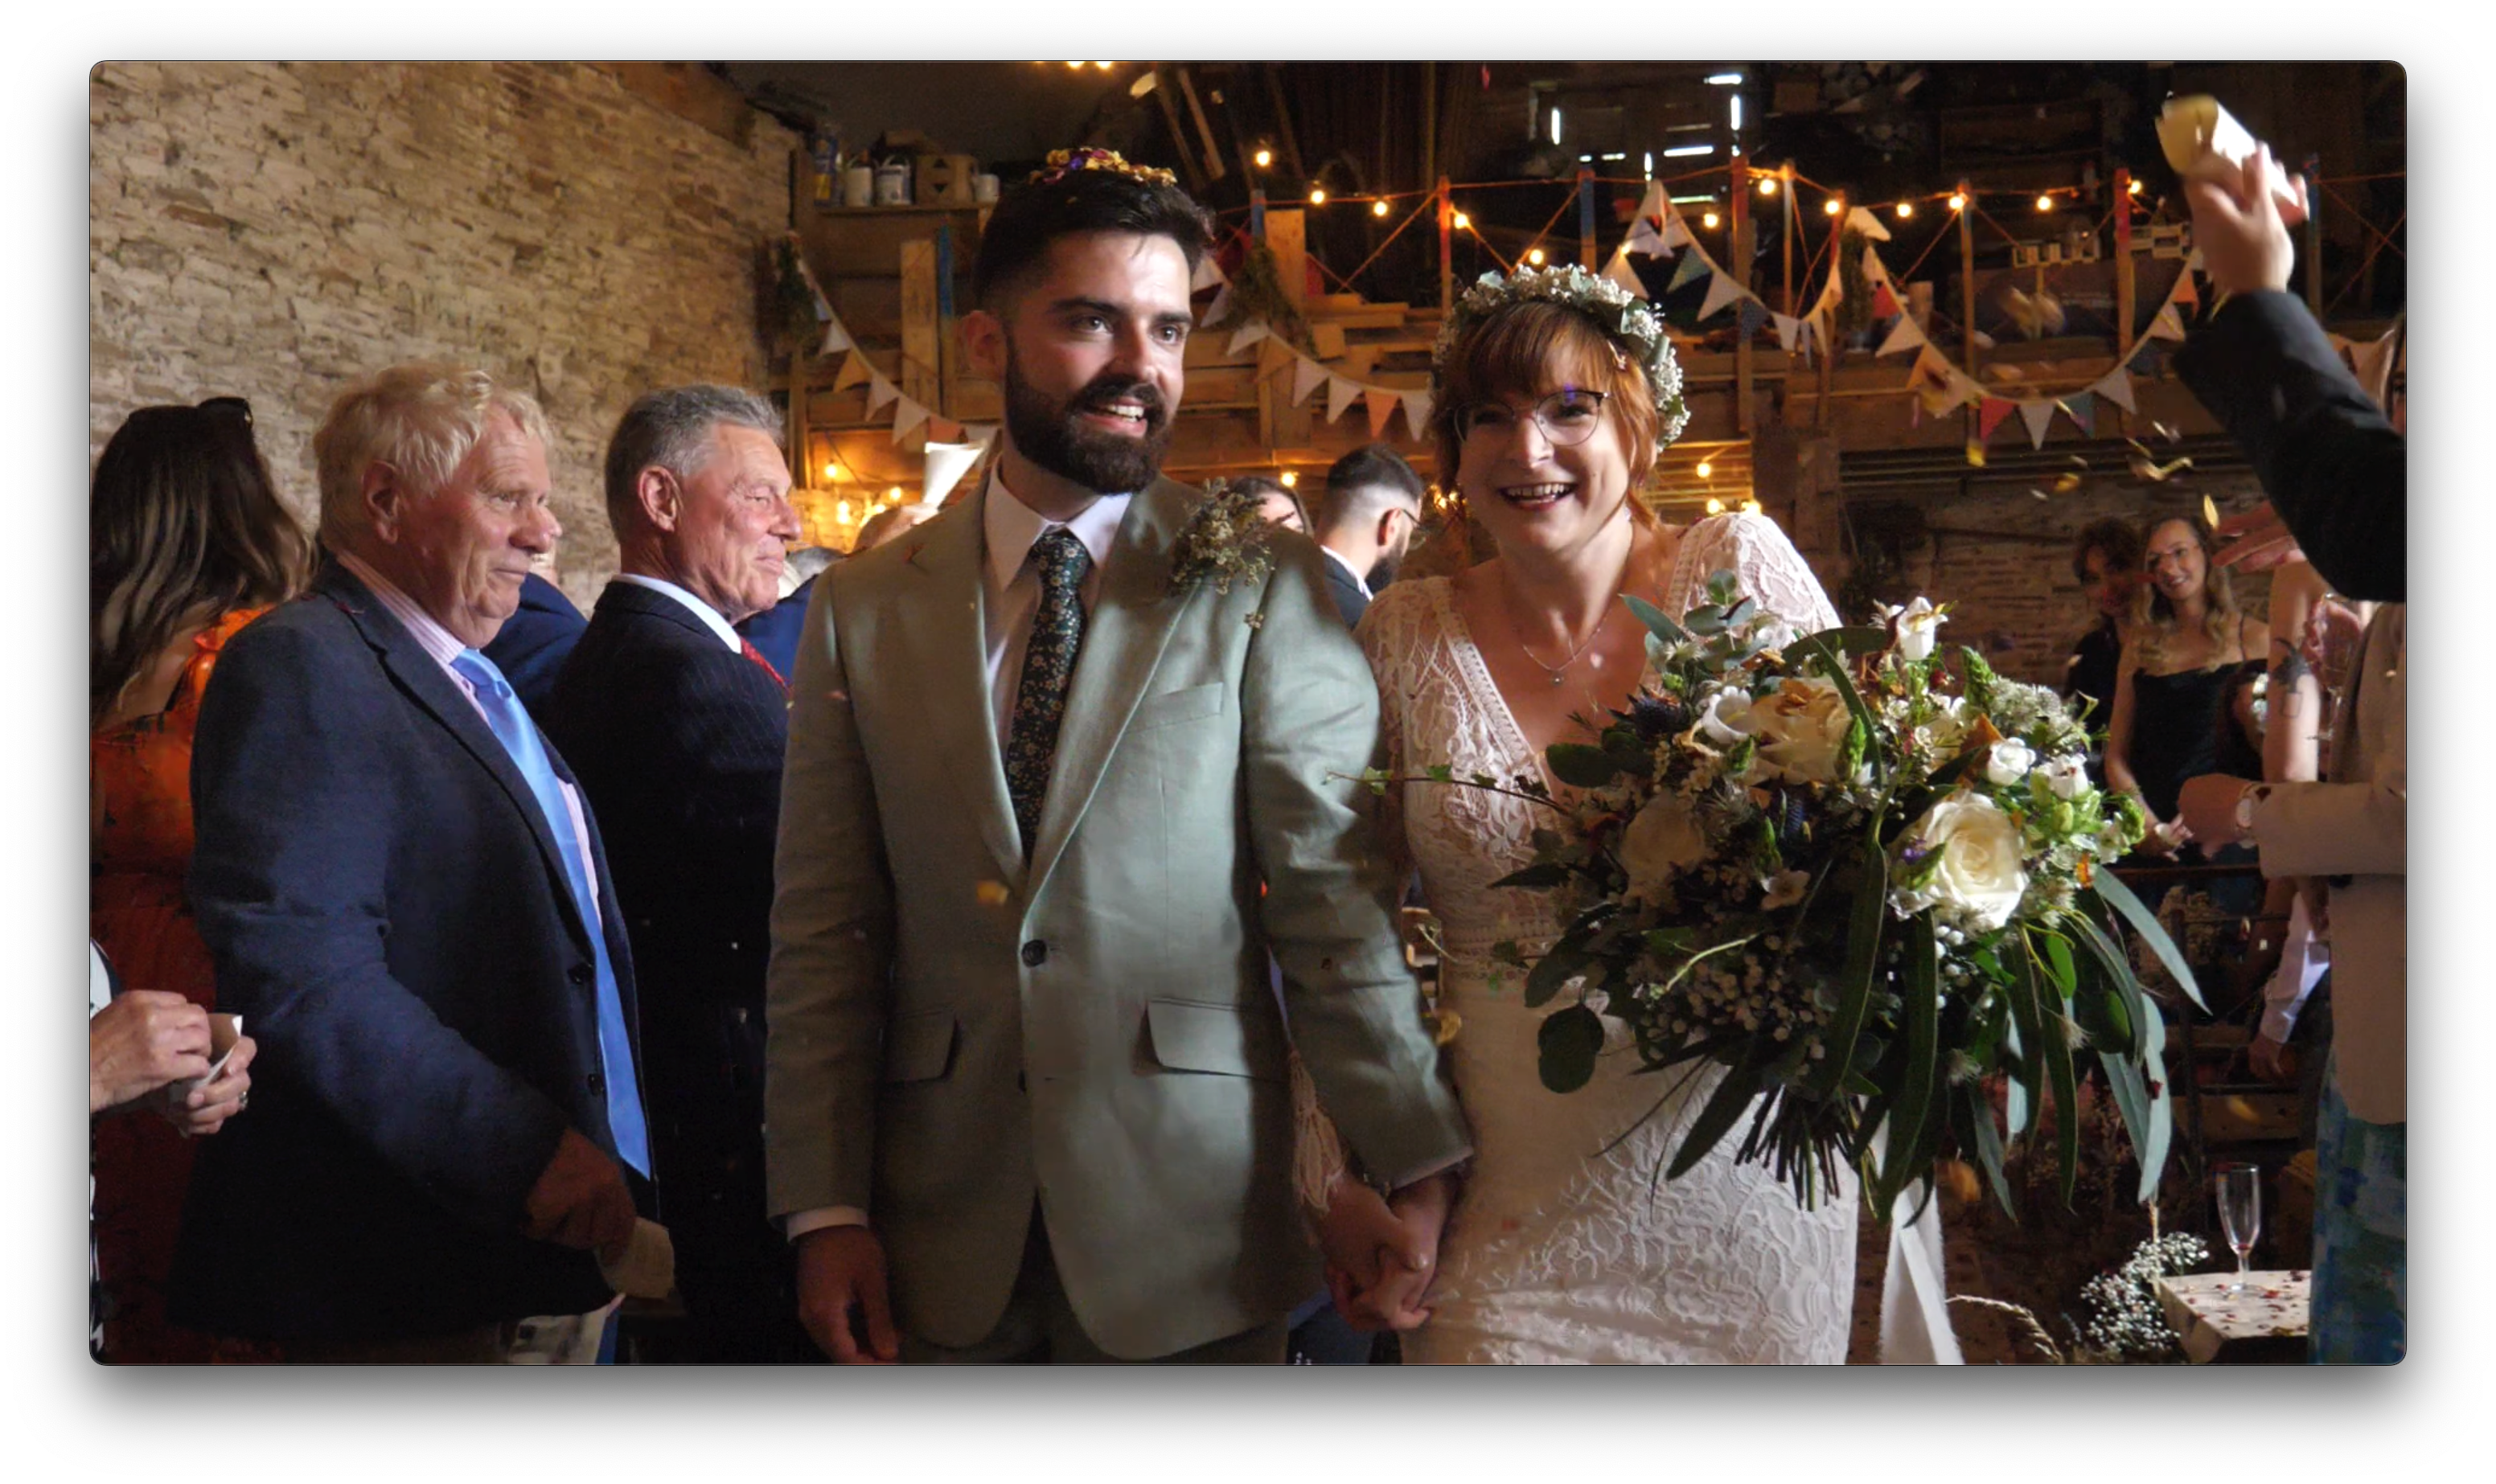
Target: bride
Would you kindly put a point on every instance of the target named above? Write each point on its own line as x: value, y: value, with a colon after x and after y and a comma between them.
x: 1554, y: 391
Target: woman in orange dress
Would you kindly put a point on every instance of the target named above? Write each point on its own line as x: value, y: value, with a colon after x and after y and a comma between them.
x: 187, y: 543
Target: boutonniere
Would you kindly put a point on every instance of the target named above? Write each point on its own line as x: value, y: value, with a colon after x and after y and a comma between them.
x: 1226, y: 541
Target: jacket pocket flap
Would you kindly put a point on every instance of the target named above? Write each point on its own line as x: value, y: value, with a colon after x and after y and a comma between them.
x: 919, y: 1046
x: 1190, y: 1037
x: 1194, y: 703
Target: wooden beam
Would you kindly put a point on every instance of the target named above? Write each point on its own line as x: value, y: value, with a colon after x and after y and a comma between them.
x: 1282, y: 119
x: 1213, y: 166
x: 1161, y: 91
x: 691, y: 93
x: 1286, y: 238
x: 922, y: 378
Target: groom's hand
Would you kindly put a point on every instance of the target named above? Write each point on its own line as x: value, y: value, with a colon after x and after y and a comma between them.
x: 1383, y: 1255
x: 841, y: 1268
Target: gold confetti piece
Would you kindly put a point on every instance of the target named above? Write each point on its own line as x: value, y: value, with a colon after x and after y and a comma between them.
x: 1448, y: 1024
x: 2158, y: 474
x: 2064, y: 484
x: 2035, y: 493
x: 992, y: 893
x: 2077, y: 459
x: 1976, y: 455
x: 2210, y: 512
x: 2168, y: 432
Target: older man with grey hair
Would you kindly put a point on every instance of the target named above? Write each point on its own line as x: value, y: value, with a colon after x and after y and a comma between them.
x: 409, y: 904
x: 678, y: 725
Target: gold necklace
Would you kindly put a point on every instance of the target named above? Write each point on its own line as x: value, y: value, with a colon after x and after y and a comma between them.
x: 1560, y: 673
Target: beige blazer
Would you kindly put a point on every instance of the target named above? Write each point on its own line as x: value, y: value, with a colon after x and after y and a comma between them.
x: 2355, y: 825
x: 953, y: 1034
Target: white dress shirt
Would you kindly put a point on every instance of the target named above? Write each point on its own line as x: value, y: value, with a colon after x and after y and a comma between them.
x: 444, y: 646
x: 1009, y: 530
x: 710, y: 616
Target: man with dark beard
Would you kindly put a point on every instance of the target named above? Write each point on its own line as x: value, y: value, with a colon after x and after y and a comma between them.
x: 1366, y: 518
x: 1027, y: 1091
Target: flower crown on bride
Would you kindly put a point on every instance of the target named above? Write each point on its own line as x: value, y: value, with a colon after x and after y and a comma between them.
x: 1624, y: 318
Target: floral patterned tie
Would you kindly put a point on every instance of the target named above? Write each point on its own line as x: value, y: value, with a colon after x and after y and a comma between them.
x: 1040, y: 698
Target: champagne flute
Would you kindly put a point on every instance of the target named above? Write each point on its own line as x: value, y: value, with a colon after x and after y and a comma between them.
x: 2240, y: 1192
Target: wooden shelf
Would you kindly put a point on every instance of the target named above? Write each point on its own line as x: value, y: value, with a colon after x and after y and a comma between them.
x: 839, y: 211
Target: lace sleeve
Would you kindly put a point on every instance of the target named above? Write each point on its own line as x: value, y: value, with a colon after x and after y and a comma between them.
x: 1765, y: 567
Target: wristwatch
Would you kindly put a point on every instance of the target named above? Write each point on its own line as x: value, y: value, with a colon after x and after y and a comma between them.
x: 2245, y: 801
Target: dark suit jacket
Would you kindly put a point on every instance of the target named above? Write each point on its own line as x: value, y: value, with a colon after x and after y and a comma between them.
x: 389, y: 916
x: 1349, y: 600
x: 2326, y: 456
x: 678, y: 741
x: 775, y: 630
x: 531, y: 647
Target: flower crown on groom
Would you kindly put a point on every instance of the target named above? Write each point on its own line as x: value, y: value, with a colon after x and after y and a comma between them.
x: 1634, y: 328
x: 1063, y: 163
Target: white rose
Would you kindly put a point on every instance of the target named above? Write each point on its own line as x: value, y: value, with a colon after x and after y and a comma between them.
x: 1783, y: 889
x: 1801, y: 728
x: 1918, y: 626
x: 1723, y: 721
x: 1662, y: 841
x: 2009, y: 762
x: 1949, y: 724
x: 1978, y: 880
x: 2068, y: 776
x: 2110, y: 841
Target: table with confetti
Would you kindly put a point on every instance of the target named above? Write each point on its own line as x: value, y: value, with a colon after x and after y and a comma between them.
x: 2265, y: 1322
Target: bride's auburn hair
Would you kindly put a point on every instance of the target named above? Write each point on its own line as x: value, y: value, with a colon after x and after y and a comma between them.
x: 1533, y: 347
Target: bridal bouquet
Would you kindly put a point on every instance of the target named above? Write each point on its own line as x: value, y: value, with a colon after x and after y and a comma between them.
x: 1863, y: 879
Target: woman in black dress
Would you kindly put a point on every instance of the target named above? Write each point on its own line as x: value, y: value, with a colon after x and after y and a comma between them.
x: 2187, y: 641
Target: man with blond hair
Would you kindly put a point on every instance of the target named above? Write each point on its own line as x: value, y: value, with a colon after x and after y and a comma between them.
x: 408, y: 904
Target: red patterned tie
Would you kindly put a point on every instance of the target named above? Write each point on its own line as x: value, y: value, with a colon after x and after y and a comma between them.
x: 756, y: 656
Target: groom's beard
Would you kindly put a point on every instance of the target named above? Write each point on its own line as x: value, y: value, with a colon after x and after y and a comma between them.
x: 1044, y: 431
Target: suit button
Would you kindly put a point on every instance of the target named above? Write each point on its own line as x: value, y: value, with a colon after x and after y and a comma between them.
x: 1035, y: 953
x: 597, y: 1085
x: 579, y: 974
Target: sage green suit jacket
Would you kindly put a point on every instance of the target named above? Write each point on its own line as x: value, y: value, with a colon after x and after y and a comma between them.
x: 954, y: 1032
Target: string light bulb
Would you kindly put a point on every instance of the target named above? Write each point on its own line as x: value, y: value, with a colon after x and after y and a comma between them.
x: 1464, y: 222
x: 2133, y: 189
x: 1958, y: 202
x: 2045, y: 203
x: 1715, y: 507
x: 831, y: 472
x: 1751, y: 506
x: 1767, y: 185
x: 841, y: 511
x: 1317, y: 196
x: 1534, y: 256
x: 1832, y: 206
x: 1377, y: 208
x: 1906, y: 210
x: 1706, y: 470
x: 1709, y: 221
x: 1264, y: 159
x: 892, y: 495
x: 1290, y: 479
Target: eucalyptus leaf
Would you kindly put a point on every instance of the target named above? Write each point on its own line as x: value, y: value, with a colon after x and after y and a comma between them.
x: 1581, y: 766
x: 2110, y: 890
x: 1568, y: 1043
x: 1725, y: 1104
x: 1657, y: 622
x: 2056, y: 1052
x: 1863, y: 959
x: 1540, y: 875
x: 1552, y: 971
x: 1922, y: 1073
x: 1989, y: 1148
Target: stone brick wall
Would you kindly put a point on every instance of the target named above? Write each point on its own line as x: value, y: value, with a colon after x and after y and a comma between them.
x: 274, y: 231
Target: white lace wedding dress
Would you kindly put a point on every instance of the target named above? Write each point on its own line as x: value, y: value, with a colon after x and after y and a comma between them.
x: 1567, y: 1245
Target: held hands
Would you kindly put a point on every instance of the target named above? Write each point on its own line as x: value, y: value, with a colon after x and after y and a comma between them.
x: 581, y: 1200
x: 1383, y: 1254
x: 143, y: 1040
x: 840, y: 1277
x: 2241, y: 214
x: 205, y: 1109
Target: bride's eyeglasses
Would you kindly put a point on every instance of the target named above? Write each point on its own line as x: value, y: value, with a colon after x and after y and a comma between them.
x: 1566, y: 417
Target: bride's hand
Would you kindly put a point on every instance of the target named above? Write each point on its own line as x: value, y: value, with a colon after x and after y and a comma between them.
x: 1380, y: 1260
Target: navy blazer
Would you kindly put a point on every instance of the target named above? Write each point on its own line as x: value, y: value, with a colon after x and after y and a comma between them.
x: 534, y: 642
x: 1349, y: 600
x: 776, y: 630
x: 389, y: 916
x: 678, y: 741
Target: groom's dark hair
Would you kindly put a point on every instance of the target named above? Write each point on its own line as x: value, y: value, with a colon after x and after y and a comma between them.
x: 1032, y: 216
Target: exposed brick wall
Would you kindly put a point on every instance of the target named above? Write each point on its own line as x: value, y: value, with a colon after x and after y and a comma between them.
x: 275, y: 230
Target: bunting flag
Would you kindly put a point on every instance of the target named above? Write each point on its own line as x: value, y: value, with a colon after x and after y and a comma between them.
x: 1964, y: 388
x: 2039, y: 415
x: 943, y: 430
x: 1787, y: 326
x: 1382, y: 405
x: 1207, y: 273
x: 2148, y: 359
x: 854, y: 371
x: 1692, y: 265
x: 1340, y: 394
x: 1307, y: 376
x: 1990, y: 415
x: 2169, y: 325
x: 1861, y: 219
x: 1749, y: 315
x: 1721, y: 289
x: 979, y: 433
x: 1676, y: 231
x: 2116, y: 388
x: 1832, y: 294
x: 1246, y: 336
x: 1619, y: 271
x: 1875, y: 271
x: 1417, y: 414
x: 2185, y: 290
x: 835, y: 338
x: 1903, y: 336
x: 908, y: 416
x: 878, y: 390
x: 2082, y: 409
x: 1220, y: 306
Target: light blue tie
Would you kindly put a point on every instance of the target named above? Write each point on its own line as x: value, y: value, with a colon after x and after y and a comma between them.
x: 519, y: 735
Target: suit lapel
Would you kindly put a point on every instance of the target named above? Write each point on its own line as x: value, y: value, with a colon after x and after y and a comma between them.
x: 945, y: 624
x: 416, y: 674
x: 1130, y: 626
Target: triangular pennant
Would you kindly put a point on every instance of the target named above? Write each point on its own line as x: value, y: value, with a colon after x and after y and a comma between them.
x: 1787, y: 327
x: 1340, y: 394
x: 1885, y: 304
x: 2039, y: 415
x: 1306, y: 377
x: 1861, y: 219
x: 854, y: 370
x: 2082, y: 409
x: 1875, y: 271
x: 1382, y: 403
x: 879, y: 390
x: 1220, y: 306
x: 1207, y: 273
x: 2116, y: 388
x: 943, y: 430
x: 1749, y: 316
x: 1646, y: 229
x: 2149, y: 358
x: 1721, y: 289
x: 979, y: 433
x: 1832, y: 294
x: 1693, y: 263
x: 1619, y: 271
x: 1990, y: 415
x: 2169, y: 325
x: 1246, y: 336
x: 1417, y: 416
x: 1676, y: 231
x: 909, y: 414
x: 1931, y: 364
x: 1963, y: 388
x: 1903, y: 336
x: 835, y: 339
x: 2185, y: 293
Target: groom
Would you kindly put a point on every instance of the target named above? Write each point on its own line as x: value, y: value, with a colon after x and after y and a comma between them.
x: 1028, y: 1092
